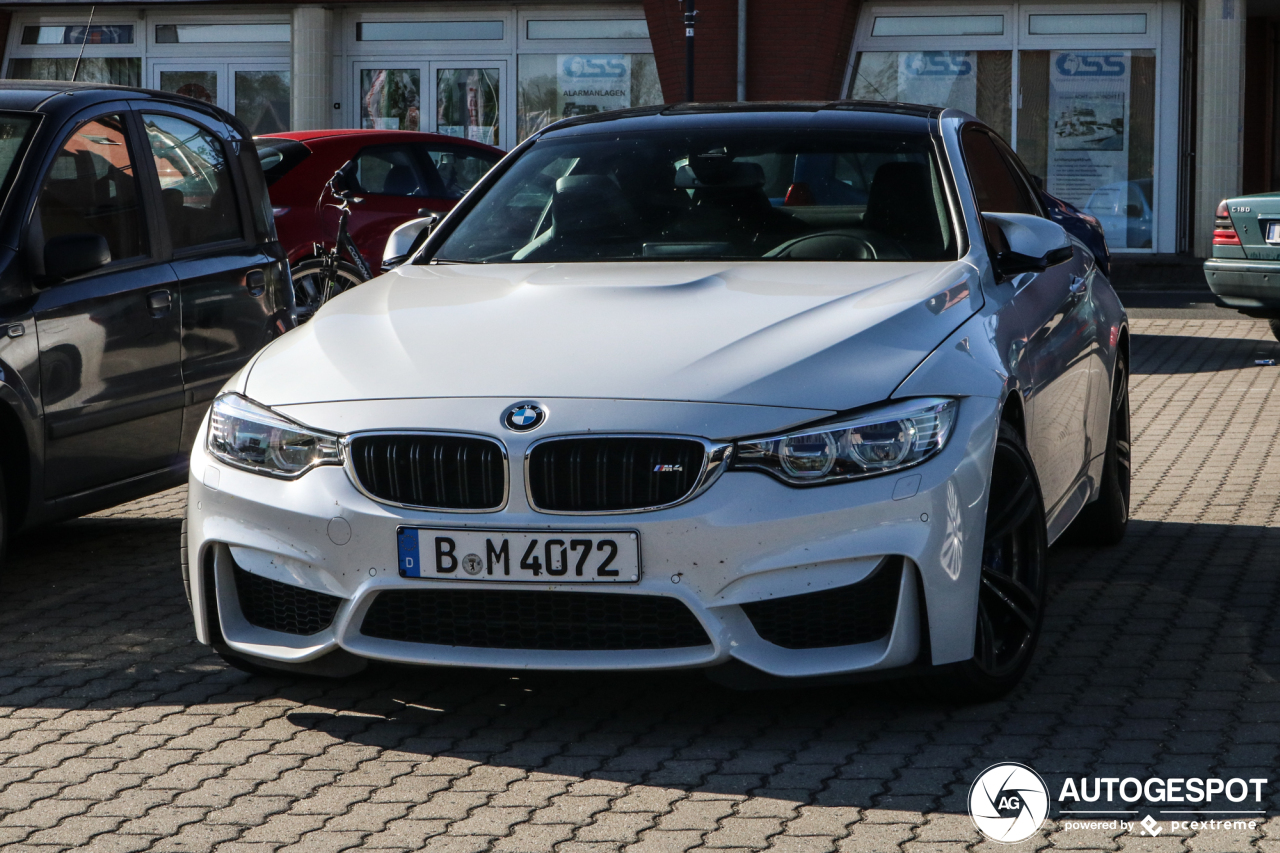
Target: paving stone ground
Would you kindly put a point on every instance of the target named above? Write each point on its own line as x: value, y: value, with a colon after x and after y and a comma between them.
x: 1161, y: 657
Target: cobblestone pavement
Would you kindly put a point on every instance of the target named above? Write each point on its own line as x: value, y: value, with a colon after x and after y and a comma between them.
x: 1161, y: 658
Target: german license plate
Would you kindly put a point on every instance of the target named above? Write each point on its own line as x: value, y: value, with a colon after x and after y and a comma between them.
x: 528, y: 556
x: 1273, y: 232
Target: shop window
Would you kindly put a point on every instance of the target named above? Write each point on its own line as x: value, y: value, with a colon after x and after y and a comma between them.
x: 98, y: 34
x: 429, y: 31
x: 938, y: 25
x: 92, y: 187
x: 200, y: 85
x: 122, y: 71
x: 262, y: 100
x: 221, y: 33
x: 1053, y: 25
x: 980, y: 82
x: 555, y: 86
x: 467, y: 103
x: 390, y: 98
x: 616, y: 29
x: 1086, y: 128
x: 195, y: 182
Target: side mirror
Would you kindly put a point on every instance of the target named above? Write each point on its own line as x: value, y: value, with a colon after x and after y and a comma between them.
x: 406, y: 239
x: 70, y: 255
x: 1026, y: 243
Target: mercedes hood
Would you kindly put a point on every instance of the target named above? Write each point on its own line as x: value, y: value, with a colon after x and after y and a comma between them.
x: 820, y: 335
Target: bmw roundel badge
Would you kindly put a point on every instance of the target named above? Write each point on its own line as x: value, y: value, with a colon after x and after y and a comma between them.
x: 523, y: 417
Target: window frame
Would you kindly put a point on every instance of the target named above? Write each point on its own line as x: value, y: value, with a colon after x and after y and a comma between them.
x: 238, y: 184
x: 154, y: 239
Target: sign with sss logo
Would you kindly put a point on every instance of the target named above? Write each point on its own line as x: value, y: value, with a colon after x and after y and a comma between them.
x: 941, y: 78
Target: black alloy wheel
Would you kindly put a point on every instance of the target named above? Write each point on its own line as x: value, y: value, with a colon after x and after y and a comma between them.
x: 1011, y: 591
x: 1103, y: 521
x: 1011, y: 595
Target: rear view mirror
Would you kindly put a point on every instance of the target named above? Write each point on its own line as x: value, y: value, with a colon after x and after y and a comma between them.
x: 1026, y: 243
x: 70, y: 255
x: 406, y: 239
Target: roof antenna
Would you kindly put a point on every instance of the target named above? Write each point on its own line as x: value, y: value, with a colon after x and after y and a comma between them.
x: 83, y: 41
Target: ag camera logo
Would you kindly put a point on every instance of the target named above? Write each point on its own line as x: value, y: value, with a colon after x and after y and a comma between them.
x: 1008, y: 802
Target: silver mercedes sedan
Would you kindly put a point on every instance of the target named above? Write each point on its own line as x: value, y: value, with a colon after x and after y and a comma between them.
x: 786, y: 392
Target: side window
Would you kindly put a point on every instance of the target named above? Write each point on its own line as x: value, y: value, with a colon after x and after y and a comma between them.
x: 998, y: 190
x: 390, y: 170
x: 92, y: 187
x: 458, y: 168
x: 196, y: 190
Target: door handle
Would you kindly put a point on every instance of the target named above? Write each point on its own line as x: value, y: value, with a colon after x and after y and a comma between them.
x: 1077, y: 288
x: 160, y: 303
x: 256, y: 282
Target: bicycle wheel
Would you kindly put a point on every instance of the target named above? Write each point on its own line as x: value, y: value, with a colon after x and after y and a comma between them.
x: 308, y: 284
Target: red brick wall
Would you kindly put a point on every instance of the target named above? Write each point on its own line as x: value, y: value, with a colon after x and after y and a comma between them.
x: 796, y: 50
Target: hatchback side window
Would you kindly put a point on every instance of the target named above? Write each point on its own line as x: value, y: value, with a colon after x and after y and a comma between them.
x: 390, y: 170
x: 458, y: 168
x: 196, y: 190
x: 998, y: 189
x: 92, y: 188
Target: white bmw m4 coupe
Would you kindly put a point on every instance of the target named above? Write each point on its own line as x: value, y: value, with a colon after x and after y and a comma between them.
x: 789, y: 392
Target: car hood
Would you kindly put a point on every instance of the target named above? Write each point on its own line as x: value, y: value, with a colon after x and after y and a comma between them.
x: 810, y: 335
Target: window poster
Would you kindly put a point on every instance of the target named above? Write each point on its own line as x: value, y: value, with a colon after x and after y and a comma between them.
x: 1088, y: 153
x: 592, y: 83
x: 941, y: 78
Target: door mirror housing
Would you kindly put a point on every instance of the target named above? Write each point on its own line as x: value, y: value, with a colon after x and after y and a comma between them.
x: 70, y: 255
x: 1025, y: 243
x: 406, y: 240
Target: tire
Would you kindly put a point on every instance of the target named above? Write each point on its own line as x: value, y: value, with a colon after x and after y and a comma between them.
x: 4, y: 520
x: 1275, y: 328
x: 1011, y: 593
x: 1104, y: 520
x: 308, y: 289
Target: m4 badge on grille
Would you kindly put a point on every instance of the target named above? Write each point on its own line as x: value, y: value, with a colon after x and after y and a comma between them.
x: 668, y: 469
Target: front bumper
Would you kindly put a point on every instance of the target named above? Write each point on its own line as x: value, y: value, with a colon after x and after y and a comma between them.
x: 1244, y: 284
x: 747, y: 539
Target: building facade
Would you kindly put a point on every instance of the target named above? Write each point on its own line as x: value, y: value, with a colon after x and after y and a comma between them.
x: 1133, y: 111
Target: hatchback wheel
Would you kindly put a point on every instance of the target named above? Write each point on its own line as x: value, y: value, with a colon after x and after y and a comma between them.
x: 1011, y: 593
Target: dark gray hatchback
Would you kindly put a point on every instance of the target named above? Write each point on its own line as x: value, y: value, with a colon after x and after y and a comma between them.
x: 139, y: 269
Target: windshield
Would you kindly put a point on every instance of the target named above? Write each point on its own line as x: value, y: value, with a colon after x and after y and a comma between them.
x: 279, y: 156
x: 739, y: 193
x: 14, y: 130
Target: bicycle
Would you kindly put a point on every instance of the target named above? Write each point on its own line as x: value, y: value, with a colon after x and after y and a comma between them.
x: 322, y: 277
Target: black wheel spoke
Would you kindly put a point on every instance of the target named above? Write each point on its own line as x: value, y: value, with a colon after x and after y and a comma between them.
x: 1011, y: 596
x: 1013, y: 511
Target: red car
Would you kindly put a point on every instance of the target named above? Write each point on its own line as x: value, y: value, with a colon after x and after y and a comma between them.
x: 400, y: 172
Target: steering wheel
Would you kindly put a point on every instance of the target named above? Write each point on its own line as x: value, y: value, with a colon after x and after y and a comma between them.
x: 826, y: 246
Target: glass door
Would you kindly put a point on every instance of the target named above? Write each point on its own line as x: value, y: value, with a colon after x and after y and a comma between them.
x: 468, y: 100
x: 390, y: 95
x: 197, y: 80
x: 259, y: 96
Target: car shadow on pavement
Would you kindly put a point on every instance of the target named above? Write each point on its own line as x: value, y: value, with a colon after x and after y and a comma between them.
x: 1159, y: 657
x: 1177, y: 354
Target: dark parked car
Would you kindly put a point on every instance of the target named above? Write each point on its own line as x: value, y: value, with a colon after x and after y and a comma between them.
x: 139, y: 269
x: 398, y: 173
x: 1084, y: 227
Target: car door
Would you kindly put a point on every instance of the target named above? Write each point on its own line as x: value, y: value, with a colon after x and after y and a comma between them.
x: 222, y: 270
x: 1057, y: 334
x: 109, y: 338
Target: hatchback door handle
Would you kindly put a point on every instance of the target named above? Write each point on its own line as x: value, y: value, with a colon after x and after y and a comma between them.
x: 1078, y: 287
x: 160, y: 302
x: 256, y: 282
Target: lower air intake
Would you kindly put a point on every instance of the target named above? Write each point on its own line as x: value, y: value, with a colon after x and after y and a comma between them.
x: 284, y: 607
x: 548, y: 621
x: 847, y: 615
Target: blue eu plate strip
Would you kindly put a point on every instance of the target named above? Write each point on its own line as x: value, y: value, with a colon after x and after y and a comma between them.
x: 407, y: 545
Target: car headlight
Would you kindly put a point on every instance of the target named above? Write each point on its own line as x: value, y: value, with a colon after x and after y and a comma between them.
x: 877, y: 442
x: 247, y: 435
